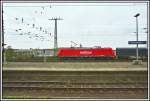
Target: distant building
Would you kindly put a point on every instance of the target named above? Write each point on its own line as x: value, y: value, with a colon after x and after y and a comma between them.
x: 35, y: 52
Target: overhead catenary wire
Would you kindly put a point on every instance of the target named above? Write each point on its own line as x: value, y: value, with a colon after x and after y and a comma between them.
x: 31, y: 6
x: 45, y: 28
x: 22, y: 20
x: 102, y: 4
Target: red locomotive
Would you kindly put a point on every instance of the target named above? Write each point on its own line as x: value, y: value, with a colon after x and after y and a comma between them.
x: 86, y: 53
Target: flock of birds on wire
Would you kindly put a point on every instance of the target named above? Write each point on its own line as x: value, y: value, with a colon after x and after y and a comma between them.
x: 33, y: 26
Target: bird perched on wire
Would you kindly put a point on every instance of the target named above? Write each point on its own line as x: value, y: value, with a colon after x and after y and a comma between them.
x: 33, y: 25
x: 40, y: 28
x: 22, y: 20
x: 16, y: 18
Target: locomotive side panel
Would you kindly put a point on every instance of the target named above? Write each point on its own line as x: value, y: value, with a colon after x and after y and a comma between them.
x: 98, y: 52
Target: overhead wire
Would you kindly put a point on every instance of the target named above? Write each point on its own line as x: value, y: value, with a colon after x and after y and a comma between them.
x: 38, y: 27
x: 81, y: 4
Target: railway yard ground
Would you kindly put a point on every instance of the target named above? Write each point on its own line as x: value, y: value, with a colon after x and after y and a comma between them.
x: 75, y: 80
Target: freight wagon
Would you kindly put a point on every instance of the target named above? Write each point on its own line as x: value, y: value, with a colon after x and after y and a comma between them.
x: 130, y: 53
x: 85, y: 53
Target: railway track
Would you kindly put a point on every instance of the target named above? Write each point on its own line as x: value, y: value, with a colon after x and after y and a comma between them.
x: 54, y: 84
x: 78, y: 88
x: 76, y: 76
x: 110, y: 92
x: 75, y: 73
x: 75, y: 84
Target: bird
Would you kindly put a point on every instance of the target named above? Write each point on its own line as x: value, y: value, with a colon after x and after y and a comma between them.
x: 22, y: 20
x: 33, y: 25
x: 16, y: 18
x: 40, y: 28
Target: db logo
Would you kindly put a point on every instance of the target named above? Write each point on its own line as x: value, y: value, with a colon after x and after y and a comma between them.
x: 85, y: 52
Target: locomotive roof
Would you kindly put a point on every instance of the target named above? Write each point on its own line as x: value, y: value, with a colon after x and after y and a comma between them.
x: 85, y: 48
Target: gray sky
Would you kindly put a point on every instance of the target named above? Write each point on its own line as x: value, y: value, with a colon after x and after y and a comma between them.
x: 91, y: 24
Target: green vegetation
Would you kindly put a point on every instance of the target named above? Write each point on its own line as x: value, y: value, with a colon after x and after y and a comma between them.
x: 76, y: 65
x: 70, y: 79
x: 17, y: 97
x: 10, y: 54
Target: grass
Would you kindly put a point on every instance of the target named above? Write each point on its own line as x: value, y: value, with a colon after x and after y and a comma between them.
x: 43, y: 97
x: 73, y: 65
x: 101, y: 77
x: 81, y: 80
x: 17, y: 97
x: 76, y: 76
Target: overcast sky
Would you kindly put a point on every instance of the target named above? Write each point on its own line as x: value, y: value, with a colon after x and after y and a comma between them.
x: 89, y: 24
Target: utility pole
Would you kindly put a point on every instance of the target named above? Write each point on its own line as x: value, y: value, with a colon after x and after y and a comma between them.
x: 55, y: 35
x: 3, y: 50
x: 147, y: 35
x: 45, y: 55
x: 137, y: 53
